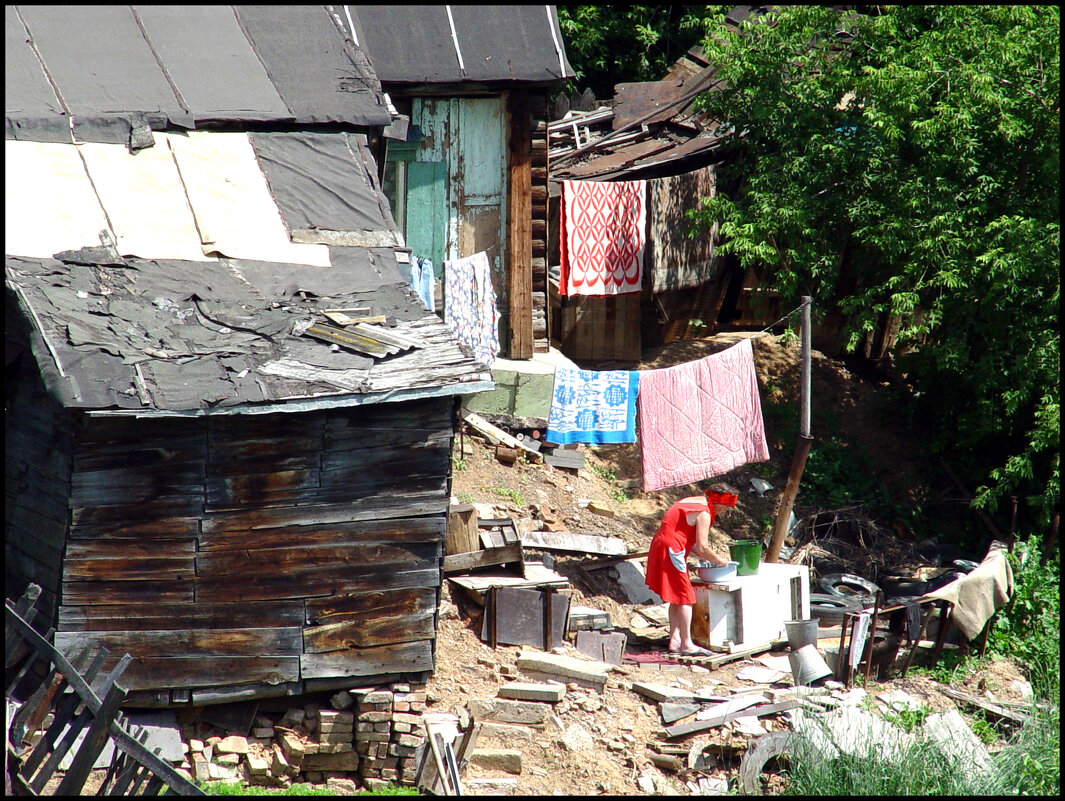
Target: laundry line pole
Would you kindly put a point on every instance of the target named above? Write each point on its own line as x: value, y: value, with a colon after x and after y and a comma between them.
x: 802, y: 449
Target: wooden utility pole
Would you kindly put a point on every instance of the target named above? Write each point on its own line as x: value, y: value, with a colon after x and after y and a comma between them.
x: 802, y: 449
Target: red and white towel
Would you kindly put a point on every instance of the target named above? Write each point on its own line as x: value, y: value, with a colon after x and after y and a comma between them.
x: 700, y: 419
x: 603, y: 237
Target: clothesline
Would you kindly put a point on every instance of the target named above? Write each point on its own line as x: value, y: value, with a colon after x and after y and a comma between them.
x: 782, y: 319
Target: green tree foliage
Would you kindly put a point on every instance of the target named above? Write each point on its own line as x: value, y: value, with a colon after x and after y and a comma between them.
x: 903, y: 160
x: 607, y: 45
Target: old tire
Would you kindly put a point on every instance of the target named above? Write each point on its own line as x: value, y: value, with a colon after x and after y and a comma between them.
x: 766, y: 747
x: 848, y: 585
x: 830, y: 609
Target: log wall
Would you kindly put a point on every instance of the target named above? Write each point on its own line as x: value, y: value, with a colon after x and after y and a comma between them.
x: 256, y: 552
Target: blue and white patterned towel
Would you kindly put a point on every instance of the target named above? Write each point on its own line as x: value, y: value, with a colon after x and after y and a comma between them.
x: 593, y: 407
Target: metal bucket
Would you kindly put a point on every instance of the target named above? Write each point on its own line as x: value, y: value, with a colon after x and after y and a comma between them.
x: 801, y: 632
x: 807, y: 665
x: 748, y: 553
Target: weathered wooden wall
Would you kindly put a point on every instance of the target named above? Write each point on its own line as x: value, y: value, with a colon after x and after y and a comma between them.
x: 38, y: 443
x: 234, y: 554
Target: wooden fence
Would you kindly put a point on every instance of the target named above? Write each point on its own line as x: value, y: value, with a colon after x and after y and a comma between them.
x: 39, y: 681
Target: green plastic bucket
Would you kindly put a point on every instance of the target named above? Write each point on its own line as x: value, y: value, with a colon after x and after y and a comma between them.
x: 748, y: 553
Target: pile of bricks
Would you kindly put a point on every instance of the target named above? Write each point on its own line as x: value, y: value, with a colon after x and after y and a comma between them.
x: 388, y: 731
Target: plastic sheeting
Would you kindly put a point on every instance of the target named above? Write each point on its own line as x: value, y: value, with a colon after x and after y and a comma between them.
x: 211, y: 62
x: 235, y: 213
x: 323, y: 186
x: 145, y: 200
x: 36, y: 176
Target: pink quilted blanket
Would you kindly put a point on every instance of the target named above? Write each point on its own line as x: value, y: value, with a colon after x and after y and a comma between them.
x: 700, y: 419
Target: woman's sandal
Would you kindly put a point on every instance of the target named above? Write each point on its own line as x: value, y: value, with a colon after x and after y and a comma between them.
x: 697, y: 652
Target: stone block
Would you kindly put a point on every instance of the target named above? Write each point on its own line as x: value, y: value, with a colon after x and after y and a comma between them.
x: 364, y: 725
x: 382, y: 726
x: 292, y: 746
x: 229, y: 760
x: 503, y: 711
x: 586, y: 673
x: 195, y: 746
x: 265, y: 733
x: 401, y: 706
x: 333, y: 716
x: 294, y: 717
x: 401, y: 687
x: 342, y: 700
x: 412, y: 740
x: 348, y: 761
x: 258, y: 763
x: 233, y: 744
x: 530, y: 691
x: 341, y: 786
x: 335, y: 737
x: 507, y: 786
x: 280, y: 765
x: 374, y: 784
x: 378, y: 697
x: 375, y: 717
x: 390, y: 774
x: 507, y: 732
x: 505, y: 759
x: 402, y: 728
x: 397, y: 750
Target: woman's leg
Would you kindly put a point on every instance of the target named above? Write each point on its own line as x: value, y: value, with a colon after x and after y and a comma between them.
x: 684, y: 624
x: 676, y: 623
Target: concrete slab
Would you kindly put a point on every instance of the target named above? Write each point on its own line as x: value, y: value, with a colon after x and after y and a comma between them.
x: 523, y: 388
x: 632, y: 580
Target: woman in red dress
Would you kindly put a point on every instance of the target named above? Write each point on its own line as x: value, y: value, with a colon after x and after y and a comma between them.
x: 685, y: 528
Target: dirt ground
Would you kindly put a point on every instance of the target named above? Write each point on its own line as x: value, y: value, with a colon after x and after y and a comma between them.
x: 621, y: 723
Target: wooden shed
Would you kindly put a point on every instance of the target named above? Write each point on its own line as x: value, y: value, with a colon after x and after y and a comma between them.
x: 471, y: 174
x: 229, y: 418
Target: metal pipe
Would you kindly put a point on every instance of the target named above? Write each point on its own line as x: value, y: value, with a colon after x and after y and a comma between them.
x: 872, y: 636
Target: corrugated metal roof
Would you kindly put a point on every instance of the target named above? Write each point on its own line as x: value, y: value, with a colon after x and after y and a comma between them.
x: 166, y: 66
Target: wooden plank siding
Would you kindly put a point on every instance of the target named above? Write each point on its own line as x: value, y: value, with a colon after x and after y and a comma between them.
x: 38, y: 453
x: 312, y: 541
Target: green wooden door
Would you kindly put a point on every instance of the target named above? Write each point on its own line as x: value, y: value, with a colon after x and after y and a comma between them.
x: 427, y: 212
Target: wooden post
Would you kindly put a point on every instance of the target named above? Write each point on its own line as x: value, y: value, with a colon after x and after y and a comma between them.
x: 802, y: 449
x: 519, y: 225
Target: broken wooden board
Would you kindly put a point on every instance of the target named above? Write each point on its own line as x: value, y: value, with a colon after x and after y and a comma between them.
x: 498, y: 436
x: 993, y: 709
x: 606, y: 561
x: 577, y: 543
x: 462, y: 531
x: 519, y: 617
x: 685, y: 729
x: 604, y: 647
x: 535, y: 576
x: 505, y: 555
x: 585, y: 618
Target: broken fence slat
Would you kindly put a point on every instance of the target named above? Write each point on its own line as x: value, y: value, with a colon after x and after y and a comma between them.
x: 702, y: 725
x: 994, y: 709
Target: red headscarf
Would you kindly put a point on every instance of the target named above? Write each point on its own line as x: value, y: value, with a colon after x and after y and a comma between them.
x: 720, y: 498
